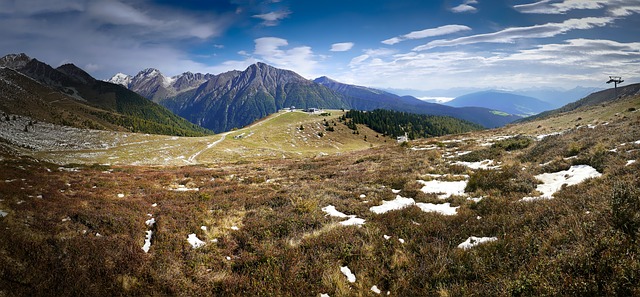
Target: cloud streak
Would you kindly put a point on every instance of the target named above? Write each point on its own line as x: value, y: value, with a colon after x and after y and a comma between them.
x: 465, y: 7
x: 272, y: 18
x: 341, y: 47
x: 432, y: 32
x: 510, y: 35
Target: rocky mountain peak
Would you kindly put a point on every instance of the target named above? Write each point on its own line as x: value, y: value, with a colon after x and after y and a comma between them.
x: 15, y: 61
x: 76, y: 73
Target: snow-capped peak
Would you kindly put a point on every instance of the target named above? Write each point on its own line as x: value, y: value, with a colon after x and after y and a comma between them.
x: 121, y: 79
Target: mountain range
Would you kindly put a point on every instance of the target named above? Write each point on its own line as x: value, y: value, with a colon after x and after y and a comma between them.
x: 237, y: 98
x: 507, y: 102
x: 70, y: 96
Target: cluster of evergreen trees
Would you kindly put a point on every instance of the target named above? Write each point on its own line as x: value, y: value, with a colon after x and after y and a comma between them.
x: 394, y: 123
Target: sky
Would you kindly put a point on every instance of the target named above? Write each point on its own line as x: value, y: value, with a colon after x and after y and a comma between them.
x: 395, y: 44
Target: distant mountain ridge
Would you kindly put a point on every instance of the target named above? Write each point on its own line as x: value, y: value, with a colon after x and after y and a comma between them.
x: 237, y: 98
x: 503, y: 101
x: 83, y: 100
x: 364, y: 98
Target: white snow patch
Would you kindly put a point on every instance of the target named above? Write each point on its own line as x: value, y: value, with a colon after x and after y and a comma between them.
x: 353, y: 221
x: 401, y: 240
x: 235, y: 228
x: 446, y: 188
x: 629, y: 162
x: 150, y: 222
x: 543, y: 136
x: 395, y: 191
x: 386, y: 237
x: 120, y: 195
x: 3, y: 214
x: 444, y: 209
x: 331, y: 211
x: 195, y: 241
x: 476, y: 200
x: 363, y: 196
x: 484, y: 164
x: 347, y: 272
x: 398, y: 203
x: 324, y: 295
x: 552, y: 182
x: 474, y: 241
x: 154, y: 205
x: 147, y: 241
x: 203, y: 228
x: 375, y: 289
x: 183, y: 188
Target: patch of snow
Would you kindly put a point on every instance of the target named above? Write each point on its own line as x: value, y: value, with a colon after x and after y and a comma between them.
x: 398, y: 203
x: 444, y: 209
x: 324, y: 295
x: 395, y: 191
x: 353, y: 221
x: 235, y: 228
x: 331, y: 211
x: 401, y: 240
x: 120, y: 195
x: 147, y: 241
x: 552, y: 182
x: 3, y: 214
x: 347, y: 272
x: 474, y: 241
x: 446, y: 188
x: 154, y: 205
x: 183, y: 188
x: 203, y: 228
x: 629, y: 162
x: 195, y: 241
x: 476, y: 200
x: 484, y: 164
x: 228, y: 258
x: 386, y: 237
x: 543, y: 136
x: 375, y: 289
x: 363, y: 196
x: 150, y: 222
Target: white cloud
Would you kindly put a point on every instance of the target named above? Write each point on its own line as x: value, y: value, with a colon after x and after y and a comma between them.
x: 617, y: 8
x: 117, y: 13
x: 300, y: 59
x: 341, y: 47
x: 466, y: 6
x: 573, y: 62
x: 509, y: 35
x: 272, y: 18
x: 439, y: 31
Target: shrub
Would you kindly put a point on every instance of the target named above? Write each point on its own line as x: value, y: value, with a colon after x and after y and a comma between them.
x: 625, y: 208
x: 509, y: 179
x: 514, y: 143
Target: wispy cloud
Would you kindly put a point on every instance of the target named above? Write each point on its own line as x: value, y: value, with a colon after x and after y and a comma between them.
x: 272, y: 18
x: 341, y: 47
x: 465, y: 7
x: 574, y: 62
x: 616, y: 8
x: 439, y: 31
x: 273, y: 51
x: 512, y: 34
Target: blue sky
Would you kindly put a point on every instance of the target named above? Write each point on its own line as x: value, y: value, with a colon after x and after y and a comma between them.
x: 400, y: 44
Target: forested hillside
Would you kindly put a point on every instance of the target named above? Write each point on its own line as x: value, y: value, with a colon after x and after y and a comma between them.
x: 394, y: 123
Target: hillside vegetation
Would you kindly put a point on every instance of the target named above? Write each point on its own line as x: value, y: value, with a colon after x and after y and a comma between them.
x: 393, y: 123
x: 553, y: 211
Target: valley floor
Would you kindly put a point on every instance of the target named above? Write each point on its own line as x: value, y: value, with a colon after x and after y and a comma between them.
x: 493, y: 213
